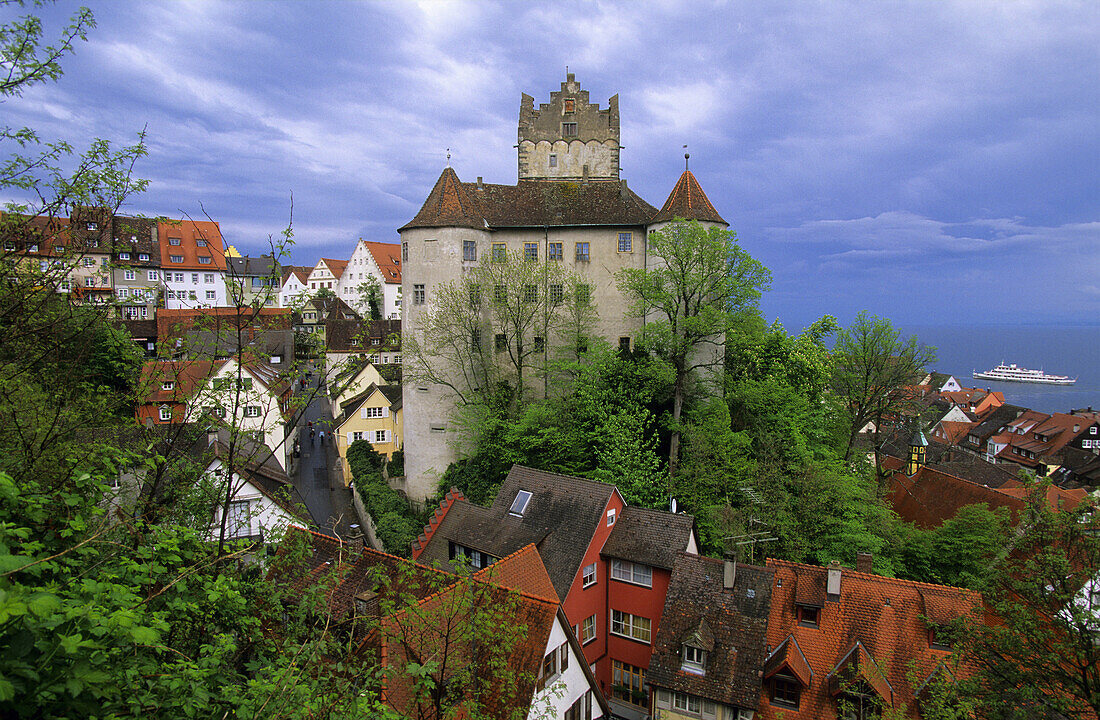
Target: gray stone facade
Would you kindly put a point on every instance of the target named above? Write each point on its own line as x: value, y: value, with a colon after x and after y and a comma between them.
x: 568, y: 138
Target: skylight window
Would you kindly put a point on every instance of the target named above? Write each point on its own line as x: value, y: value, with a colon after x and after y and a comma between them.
x: 519, y: 505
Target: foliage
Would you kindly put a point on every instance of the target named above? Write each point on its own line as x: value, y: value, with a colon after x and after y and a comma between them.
x: 395, y: 520
x: 700, y: 286
x: 1040, y: 657
x: 872, y: 366
x: 369, y: 293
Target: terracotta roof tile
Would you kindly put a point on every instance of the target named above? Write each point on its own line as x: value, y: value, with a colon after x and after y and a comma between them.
x: 687, y: 201
x: 387, y: 256
x: 521, y: 571
x: 336, y: 267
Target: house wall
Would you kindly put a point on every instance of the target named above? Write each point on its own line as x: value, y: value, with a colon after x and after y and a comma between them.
x: 322, y: 277
x: 264, y: 517
x: 292, y: 291
x: 389, y: 422
x: 207, y: 286
x: 570, y: 685
x: 368, y: 376
x: 636, y: 600
x: 277, y: 435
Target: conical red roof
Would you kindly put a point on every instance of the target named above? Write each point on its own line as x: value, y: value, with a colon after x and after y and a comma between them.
x: 448, y: 205
x: 688, y: 201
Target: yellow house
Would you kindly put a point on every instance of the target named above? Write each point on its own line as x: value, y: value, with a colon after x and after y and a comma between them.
x: 349, y: 379
x: 373, y: 415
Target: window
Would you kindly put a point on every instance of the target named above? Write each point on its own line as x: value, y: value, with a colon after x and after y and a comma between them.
x: 531, y: 251
x: 418, y: 294
x: 583, y: 294
x: 208, y: 278
x: 239, y: 520
x: 530, y: 293
x: 807, y: 615
x: 694, y: 660
x: 194, y: 278
x: 500, y: 342
x: 204, y: 259
x: 92, y: 226
x: 437, y: 429
x: 630, y: 626
x: 124, y: 256
x: 168, y: 385
x: 144, y: 257
x: 89, y: 262
x: 179, y: 276
x: 570, y: 105
x: 476, y: 558
x: 632, y: 572
x: 165, y: 414
x: 173, y: 241
x: 625, y: 242
x: 582, y: 252
x: 581, y: 709
x: 252, y: 411
x: 588, y: 629
x: 469, y: 250
x: 500, y: 252
x: 627, y: 683
x: 553, y: 160
x: 540, y: 343
x: 938, y: 639
x: 211, y: 295
x: 171, y: 294
x: 857, y: 705
x: 553, y: 251
x: 129, y: 274
x: 381, y: 436
x: 200, y: 243
x: 785, y: 691
x: 33, y: 247
x: 569, y: 129
x: 624, y: 344
x: 519, y: 505
x: 89, y: 282
x: 588, y: 575
x: 373, y: 412
x: 404, y: 252
x: 176, y: 258
x: 685, y: 703
x: 555, y: 663
x: 611, y: 517
x: 356, y: 436
x: 59, y: 249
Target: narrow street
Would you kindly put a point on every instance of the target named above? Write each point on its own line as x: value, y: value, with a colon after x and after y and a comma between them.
x: 328, y: 502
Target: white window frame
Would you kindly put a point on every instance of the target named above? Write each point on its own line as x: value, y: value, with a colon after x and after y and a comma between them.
x: 129, y: 275
x: 252, y: 411
x: 165, y: 413
x: 589, y: 575
x: 627, y: 625
x: 633, y: 573
x: 381, y: 436
x: 588, y: 630
x: 611, y: 517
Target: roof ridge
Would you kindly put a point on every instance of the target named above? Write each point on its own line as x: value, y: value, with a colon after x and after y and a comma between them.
x: 525, y: 548
x: 873, y: 576
x: 558, y: 474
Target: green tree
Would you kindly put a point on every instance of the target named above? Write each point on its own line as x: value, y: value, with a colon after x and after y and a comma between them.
x: 700, y: 286
x: 872, y: 366
x: 1040, y: 656
x: 369, y: 294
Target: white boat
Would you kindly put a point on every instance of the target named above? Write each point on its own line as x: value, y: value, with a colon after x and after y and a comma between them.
x: 1012, y: 373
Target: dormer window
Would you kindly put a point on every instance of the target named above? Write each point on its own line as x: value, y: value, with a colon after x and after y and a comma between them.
x: 168, y: 385
x: 694, y: 660
x: 808, y: 615
x: 92, y: 226
x: 519, y: 505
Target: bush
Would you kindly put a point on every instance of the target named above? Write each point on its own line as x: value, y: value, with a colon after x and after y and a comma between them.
x: 396, y: 531
x: 396, y: 466
x: 365, y: 462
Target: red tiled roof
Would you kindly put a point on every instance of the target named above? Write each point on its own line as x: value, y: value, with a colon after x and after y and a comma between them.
x: 387, y: 256
x: 300, y: 272
x: 954, y: 430
x: 448, y: 205
x: 931, y: 497
x: 687, y: 201
x: 336, y: 267
x: 876, y: 628
x: 190, y: 233
x: 522, y: 571
x: 186, y: 376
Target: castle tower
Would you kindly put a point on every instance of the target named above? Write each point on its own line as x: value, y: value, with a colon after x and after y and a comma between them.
x: 568, y: 138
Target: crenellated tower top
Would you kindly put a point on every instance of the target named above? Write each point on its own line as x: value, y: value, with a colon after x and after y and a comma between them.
x: 568, y: 138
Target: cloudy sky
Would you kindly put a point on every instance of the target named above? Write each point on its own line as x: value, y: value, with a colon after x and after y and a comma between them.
x: 932, y: 162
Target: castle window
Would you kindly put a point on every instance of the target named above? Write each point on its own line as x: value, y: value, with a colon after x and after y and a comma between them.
x: 556, y: 293
x: 404, y: 252
x: 553, y: 160
x: 569, y: 129
x: 174, y: 241
x: 624, y: 344
x: 530, y: 251
x: 625, y: 242
x: 501, y: 342
x: 530, y: 293
x: 540, y: 343
x: 418, y: 294
x: 500, y: 293
x: 469, y: 250
x: 583, y: 294
x: 570, y: 105
x: 500, y: 252
x: 582, y: 252
x: 553, y: 251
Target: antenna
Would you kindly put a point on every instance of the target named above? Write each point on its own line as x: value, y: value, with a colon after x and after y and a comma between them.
x: 448, y: 157
x: 686, y: 158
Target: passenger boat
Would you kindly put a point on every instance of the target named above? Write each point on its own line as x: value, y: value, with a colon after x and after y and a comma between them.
x: 1012, y: 373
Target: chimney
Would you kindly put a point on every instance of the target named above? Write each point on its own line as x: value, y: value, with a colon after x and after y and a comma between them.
x: 832, y: 586
x: 864, y: 561
x: 479, y: 183
x: 729, y: 571
x: 355, y: 539
x: 623, y: 189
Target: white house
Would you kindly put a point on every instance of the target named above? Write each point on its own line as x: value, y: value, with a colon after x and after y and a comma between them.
x: 263, y: 409
x: 295, y: 285
x: 326, y: 274
x: 382, y: 261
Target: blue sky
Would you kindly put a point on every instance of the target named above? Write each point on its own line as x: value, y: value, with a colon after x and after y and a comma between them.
x: 929, y: 162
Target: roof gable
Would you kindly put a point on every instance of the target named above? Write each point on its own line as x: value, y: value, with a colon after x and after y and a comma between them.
x: 448, y: 205
x: 387, y: 256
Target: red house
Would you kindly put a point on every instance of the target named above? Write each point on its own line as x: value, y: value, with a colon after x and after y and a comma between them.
x: 609, y: 563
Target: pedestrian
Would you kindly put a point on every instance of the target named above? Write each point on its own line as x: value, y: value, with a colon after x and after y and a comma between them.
x: 311, y: 436
x: 309, y: 423
x: 322, y: 437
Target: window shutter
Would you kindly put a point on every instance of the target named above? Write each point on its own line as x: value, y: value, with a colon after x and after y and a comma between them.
x: 363, y: 413
x: 350, y: 438
x: 385, y: 411
x: 662, y: 699
x: 564, y: 649
x: 708, y: 709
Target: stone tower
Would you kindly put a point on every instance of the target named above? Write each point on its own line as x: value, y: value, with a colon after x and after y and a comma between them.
x: 568, y: 138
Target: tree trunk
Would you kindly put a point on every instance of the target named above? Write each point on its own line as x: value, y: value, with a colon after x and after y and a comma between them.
x: 674, y: 440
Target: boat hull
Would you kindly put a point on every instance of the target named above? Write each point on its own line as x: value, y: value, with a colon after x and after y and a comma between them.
x: 1035, y: 381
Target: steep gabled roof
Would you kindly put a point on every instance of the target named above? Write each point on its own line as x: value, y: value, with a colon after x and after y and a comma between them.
x: 560, y: 518
x: 387, y: 256
x: 687, y: 201
x: 336, y: 267
x: 646, y: 536
x: 732, y: 622
x: 522, y: 571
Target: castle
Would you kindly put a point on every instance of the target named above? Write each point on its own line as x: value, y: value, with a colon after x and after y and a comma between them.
x: 569, y: 206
